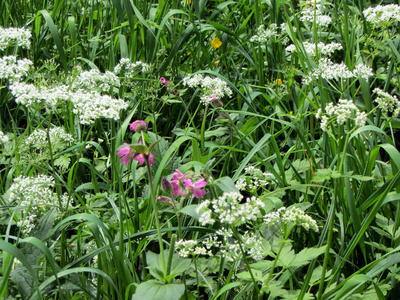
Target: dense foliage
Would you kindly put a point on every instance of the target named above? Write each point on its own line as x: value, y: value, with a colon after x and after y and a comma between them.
x: 199, y: 149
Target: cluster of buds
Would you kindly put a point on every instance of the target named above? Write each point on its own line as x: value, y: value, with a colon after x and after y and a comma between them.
x: 138, y: 151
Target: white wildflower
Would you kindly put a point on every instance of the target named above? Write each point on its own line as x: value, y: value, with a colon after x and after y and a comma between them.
x: 291, y: 216
x: 308, y: 14
x: 329, y: 71
x: 212, y: 88
x: 343, y: 112
x: 129, y: 69
x: 387, y: 103
x: 14, y: 37
x: 14, y: 69
x: 263, y: 35
x: 40, y: 97
x: 323, y: 49
x: 382, y: 15
x: 91, y: 106
x: 3, y: 137
x: 95, y: 80
x: 34, y: 196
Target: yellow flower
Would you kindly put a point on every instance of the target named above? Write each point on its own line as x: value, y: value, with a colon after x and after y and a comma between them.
x: 216, y: 43
x: 279, y: 81
x: 189, y: 1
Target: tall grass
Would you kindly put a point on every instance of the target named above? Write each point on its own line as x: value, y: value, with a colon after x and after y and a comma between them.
x: 101, y: 233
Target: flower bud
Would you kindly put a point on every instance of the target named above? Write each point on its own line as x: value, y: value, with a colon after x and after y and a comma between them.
x: 138, y: 126
x: 166, y: 185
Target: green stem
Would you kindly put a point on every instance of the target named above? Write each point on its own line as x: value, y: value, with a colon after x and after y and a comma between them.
x: 155, y: 207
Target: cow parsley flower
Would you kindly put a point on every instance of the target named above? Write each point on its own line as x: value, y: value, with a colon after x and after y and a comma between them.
x: 90, y: 106
x: 128, y: 69
x: 343, y: 112
x: 329, y: 71
x: 213, y: 89
x: 323, y: 49
x: 229, y: 209
x: 94, y: 80
x: 35, y: 196
x: 263, y: 35
x: 3, y: 138
x: 292, y: 217
x: 40, y: 97
x: 14, y: 37
x: 387, y: 103
x: 308, y: 14
x: 382, y: 15
x: 14, y: 69
x: 35, y: 148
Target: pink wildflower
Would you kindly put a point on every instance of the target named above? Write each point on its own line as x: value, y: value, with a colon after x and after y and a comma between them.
x: 126, y: 154
x: 138, y: 126
x: 195, y: 188
x: 141, y: 159
x: 164, y: 82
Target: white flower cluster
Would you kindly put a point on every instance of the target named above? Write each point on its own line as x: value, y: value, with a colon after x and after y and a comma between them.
x: 129, y: 69
x: 91, y: 106
x: 382, y: 15
x: 229, y: 210
x: 263, y: 35
x: 323, y: 49
x: 272, y: 33
x: 14, y: 69
x: 387, y: 103
x: 3, y: 137
x: 38, y: 139
x: 254, y: 181
x: 43, y: 97
x: 212, y: 88
x: 228, y: 247
x: 291, y: 216
x: 329, y: 70
x: 95, y: 80
x: 14, y: 37
x: 192, y: 247
x: 344, y: 111
x: 34, y: 195
x: 103, y: 3
x: 308, y: 14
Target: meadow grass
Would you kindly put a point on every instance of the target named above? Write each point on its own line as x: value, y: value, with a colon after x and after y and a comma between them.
x: 199, y: 149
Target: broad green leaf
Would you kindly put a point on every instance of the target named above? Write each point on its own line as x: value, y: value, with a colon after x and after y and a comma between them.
x: 226, y: 184
x: 190, y: 210
x: 155, y: 290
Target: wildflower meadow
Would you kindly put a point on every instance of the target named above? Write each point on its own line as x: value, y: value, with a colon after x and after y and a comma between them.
x: 199, y: 149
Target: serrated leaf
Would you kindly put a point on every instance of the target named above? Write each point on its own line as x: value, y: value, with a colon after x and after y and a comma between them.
x: 62, y: 162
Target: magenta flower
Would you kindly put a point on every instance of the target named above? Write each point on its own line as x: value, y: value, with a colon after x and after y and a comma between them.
x: 177, y: 182
x: 126, y: 153
x: 164, y: 82
x: 138, y: 126
x: 141, y: 159
x: 195, y: 188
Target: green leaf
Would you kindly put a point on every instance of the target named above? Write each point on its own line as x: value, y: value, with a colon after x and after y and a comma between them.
x: 62, y: 162
x: 190, y: 210
x: 226, y: 184
x: 155, y: 290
